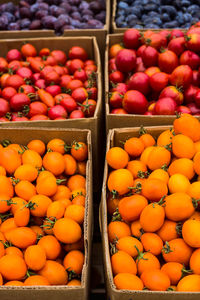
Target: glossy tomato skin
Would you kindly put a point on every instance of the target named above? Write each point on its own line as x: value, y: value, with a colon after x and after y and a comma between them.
x: 177, y: 45
x: 69, y: 104
x: 89, y: 107
x: 13, y: 54
x: 8, y: 92
x: 196, y: 78
x: 115, y: 100
x: 165, y: 106
x: 191, y: 59
x: 131, y: 38
x: 190, y: 93
x: 57, y: 111
x: 139, y: 65
x: 18, y: 101
x: 183, y: 109
x: 167, y: 61
x: 16, y: 117
x: 40, y: 83
x: 116, y: 77
x: 194, y: 108
x: 135, y: 102
x: 119, y: 111
x: 172, y: 92
x: 4, y: 107
x: 92, y: 93
x: 53, y: 90
x: 3, y: 64
x: 76, y: 114
x: 197, y: 98
x: 122, y: 88
x: 26, y: 89
x: 25, y: 72
x: 126, y: 60
x: 14, y: 81
x: 37, y: 108
x: 159, y: 81
x: 139, y: 81
x: 78, y: 52
x: 39, y: 118
x: 193, y: 42
x: 181, y: 76
x: 150, y: 57
x: 176, y: 33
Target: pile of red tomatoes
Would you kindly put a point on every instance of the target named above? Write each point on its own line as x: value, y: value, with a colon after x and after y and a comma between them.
x: 156, y: 73
x: 47, y: 84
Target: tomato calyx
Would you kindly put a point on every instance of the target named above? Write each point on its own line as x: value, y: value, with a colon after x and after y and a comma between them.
x: 140, y: 254
x: 163, y: 50
x: 142, y: 174
x: 185, y: 272
x: 65, y: 90
x: 195, y: 202
x: 4, y: 217
x: 116, y: 216
x: 7, y: 244
x: 5, y: 143
x: 187, y: 38
x: 50, y: 223
x: 136, y: 189
x: 142, y: 130
x: 179, y: 228
x: 14, y: 181
x: 164, y: 168
x: 29, y: 273
x: 170, y: 289
x: 72, y: 274
x: 161, y: 202
x: 39, y: 236
x: 33, y: 96
x: 60, y: 181
x: 168, y: 147
x: 166, y: 248
x: 10, y: 71
x: 31, y: 205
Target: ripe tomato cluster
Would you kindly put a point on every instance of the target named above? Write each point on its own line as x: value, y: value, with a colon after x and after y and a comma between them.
x: 42, y: 208
x: 153, y: 198
x: 47, y: 85
x: 155, y: 73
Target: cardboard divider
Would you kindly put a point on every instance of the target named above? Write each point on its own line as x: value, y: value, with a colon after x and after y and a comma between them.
x: 128, y: 120
x: 115, y: 136
x: 116, y: 29
x: 17, y: 135
x: 94, y: 123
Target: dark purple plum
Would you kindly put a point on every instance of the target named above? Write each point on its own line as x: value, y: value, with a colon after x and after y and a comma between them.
x: 48, y: 22
x: 25, y: 12
x: 25, y: 23
x: 76, y: 16
x: 87, y: 12
x: 66, y: 6
x: 96, y: 24
x: 68, y: 27
x: 13, y: 26
x: 36, y: 24
x: 34, y: 8
x: 41, y: 14
x: 86, y: 18
x: 101, y: 16
x: 43, y: 5
x: 9, y: 16
x: 95, y: 6
x: 84, y: 5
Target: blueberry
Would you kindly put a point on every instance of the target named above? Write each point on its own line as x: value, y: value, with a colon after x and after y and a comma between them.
x: 9, y: 16
x: 144, y: 2
x: 185, y: 3
x: 172, y: 24
x: 157, y: 21
x: 194, y: 20
x: 187, y: 17
x: 152, y: 26
x: 150, y: 7
x: 120, y: 13
x: 180, y: 18
x: 144, y: 16
x: 138, y: 26
x: 134, y: 10
x: 170, y: 10
x: 186, y: 25
x: 131, y: 17
x: 165, y: 17
x: 152, y: 14
x: 122, y: 5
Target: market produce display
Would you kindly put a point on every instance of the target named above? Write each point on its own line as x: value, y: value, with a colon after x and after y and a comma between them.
x: 155, y: 73
x: 48, y: 85
x: 153, y: 205
x: 42, y: 208
x: 56, y: 15
x: 157, y: 13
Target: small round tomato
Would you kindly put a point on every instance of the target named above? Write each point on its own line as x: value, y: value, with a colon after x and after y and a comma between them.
x: 191, y: 59
x: 135, y: 102
x: 50, y: 61
x: 26, y: 89
x: 114, y: 49
x: 14, y: 65
x: 116, y: 77
x: 8, y: 92
x: 92, y: 93
x: 174, y: 93
x: 119, y: 111
x: 167, y: 61
x: 181, y: 76
x: 53, y: 90
x: 52, y: 77
x: 177, y: 45
x: 44, y: 52
x: 57, y: 111
x: 79, y: 94
x: 15, y: 81
x: 13, y: 54
x: 80, y: 74
x: 78, y: 52
x: 139, y: 81
x: 24, y: 72
x: 59, y: 56
x: 150, y: 56
x: 75, y: 64
x: 115, y: 99
x: 64, y: 80
x: 4, y: 107
x: 28, y: 50
x: 18, y: 101
x: 3, y: 64
x: 74, y: 84
x: 88, y: 107
x: 68, y: 103
x: 37, y: 108
x: 39, y: 118
x: 159, y: 81
x: 76, y: 114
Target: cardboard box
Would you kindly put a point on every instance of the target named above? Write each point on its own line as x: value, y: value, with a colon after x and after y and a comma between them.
x: 115, y: 137
x: 100, y: 34
x: 116, y: 29
x: 129, y: 120
x: 65, y: 43
x: 23, y: 136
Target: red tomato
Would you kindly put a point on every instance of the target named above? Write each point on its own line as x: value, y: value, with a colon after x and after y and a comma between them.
x: 167, y: 61
x: 135, y: 102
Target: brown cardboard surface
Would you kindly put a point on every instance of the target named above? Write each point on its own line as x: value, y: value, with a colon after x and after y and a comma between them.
x: 116, y: 29
x: 65, y: 43
x: 23, y: 136
x: 114, y: 138
x: 129, y: 120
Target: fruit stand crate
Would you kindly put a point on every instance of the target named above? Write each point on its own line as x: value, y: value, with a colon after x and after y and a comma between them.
x: 115, y: 138
x: 16, y: 135
x: 100, y: 34
x: 115, y: 29
x: 93, y: 123
x: 128, y: 120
